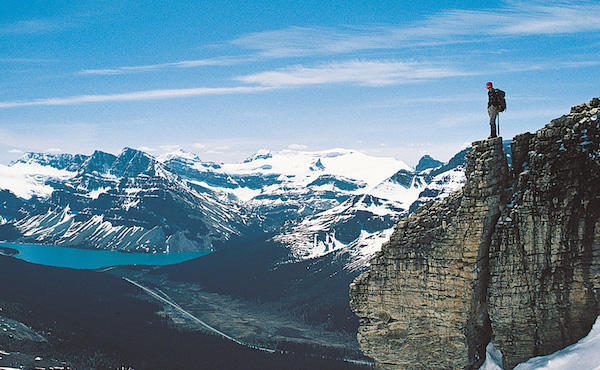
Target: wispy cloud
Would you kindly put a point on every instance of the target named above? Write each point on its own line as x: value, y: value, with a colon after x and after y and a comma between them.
x: 161, y: 66
x: 369, y: 73
x: 300, y: 41
x: 133, y: 96
x: 31, y: 26
x: 550, y: 18
x: 28, y: 60
x: 513, y: 19
x: 161, y: 148
x: 515, y: 67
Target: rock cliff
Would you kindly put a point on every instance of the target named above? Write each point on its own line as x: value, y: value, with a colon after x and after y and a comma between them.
x: 513, y: 257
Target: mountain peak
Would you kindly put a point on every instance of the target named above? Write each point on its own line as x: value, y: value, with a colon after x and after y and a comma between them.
x: 427, y: 162
x: 69, y: 162
x: 318, y: 166
x: 132, y: 162
x: 181, y: 155
x: 98, y: 162
x: 261, y: 154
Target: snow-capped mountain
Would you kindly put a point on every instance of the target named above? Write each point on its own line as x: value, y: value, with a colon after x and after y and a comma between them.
x: 362, y: 223
x: 127, y: 202
x: 318, y: 202
x: 315, y: 203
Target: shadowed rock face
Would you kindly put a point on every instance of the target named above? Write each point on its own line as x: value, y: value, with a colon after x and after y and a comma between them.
x: 423, y: 300
x: 513, y: 257
x: 545, y: 254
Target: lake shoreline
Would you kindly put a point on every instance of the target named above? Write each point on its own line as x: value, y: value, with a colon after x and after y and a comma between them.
x: 89, y: 259
x: 6, y: 251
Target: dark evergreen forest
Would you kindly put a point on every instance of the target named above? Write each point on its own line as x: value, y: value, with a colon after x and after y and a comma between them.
x: 95, y: 320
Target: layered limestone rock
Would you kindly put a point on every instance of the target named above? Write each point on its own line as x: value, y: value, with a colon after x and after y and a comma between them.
x: 513, y: 257
x: 423, y: 300
x: 545, y: 254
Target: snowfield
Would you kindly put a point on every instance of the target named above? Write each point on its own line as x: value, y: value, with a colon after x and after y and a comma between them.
x: 302, y: 168
x: 28, y: 180
x: 583, y: 355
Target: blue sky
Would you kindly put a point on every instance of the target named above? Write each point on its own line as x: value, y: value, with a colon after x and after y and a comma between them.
x: 226, y: 78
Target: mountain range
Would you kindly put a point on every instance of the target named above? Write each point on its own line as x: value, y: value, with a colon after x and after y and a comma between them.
x: 291, y: 229
x: 314, y: 203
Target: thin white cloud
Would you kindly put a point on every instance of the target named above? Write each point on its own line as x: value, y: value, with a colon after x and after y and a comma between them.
x: 300, y: 41
x: 220, y: 149
x: 31, y: 26
x: 369, y: 73
x: 297, y: 147
x: 135, y: 96
x: 28, y: 60
x: 512, y: 19
x: 511, y: 67
x: 552, y: 18
x: 16, y: 151
x: 53, y: 150
x: 154, y: 67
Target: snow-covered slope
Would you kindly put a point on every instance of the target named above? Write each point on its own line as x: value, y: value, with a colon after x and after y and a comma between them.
x: 583, y: 355
x: 26, y: 180
x: 268, y: 173
x: 360, y: 225
x: 304, y: 168
x: 126, y: 202
x: 314, y: 202
x: 319, y: 201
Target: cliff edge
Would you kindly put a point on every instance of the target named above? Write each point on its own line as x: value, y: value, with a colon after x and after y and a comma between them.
x: 513, y: 257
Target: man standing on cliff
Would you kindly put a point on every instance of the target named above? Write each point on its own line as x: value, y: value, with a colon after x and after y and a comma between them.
x: 495, y: 105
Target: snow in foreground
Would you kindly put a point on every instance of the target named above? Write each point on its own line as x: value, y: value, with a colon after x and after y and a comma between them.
x: 583, y: 355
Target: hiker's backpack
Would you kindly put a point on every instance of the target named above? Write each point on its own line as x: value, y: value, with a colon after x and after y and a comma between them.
x: 502, y: 100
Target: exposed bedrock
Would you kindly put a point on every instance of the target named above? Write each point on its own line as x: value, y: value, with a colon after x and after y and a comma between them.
x: 513, y: 257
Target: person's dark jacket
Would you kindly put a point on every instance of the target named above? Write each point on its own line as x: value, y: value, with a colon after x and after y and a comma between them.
x: 494, y: 97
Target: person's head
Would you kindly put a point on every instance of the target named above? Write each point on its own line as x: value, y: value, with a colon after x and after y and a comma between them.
x: 488, y: 85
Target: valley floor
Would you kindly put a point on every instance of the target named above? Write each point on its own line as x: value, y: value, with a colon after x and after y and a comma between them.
x: 99, y: 320
x: 256, y: 325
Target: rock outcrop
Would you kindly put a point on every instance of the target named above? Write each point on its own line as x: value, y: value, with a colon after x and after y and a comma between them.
x: 545, y: 254
x: 513, y: 257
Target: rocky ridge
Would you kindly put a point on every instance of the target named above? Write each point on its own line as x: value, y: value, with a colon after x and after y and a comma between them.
x: 513, y: 257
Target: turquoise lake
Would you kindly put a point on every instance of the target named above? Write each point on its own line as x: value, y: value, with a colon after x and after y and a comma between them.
x: 93, y: 259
